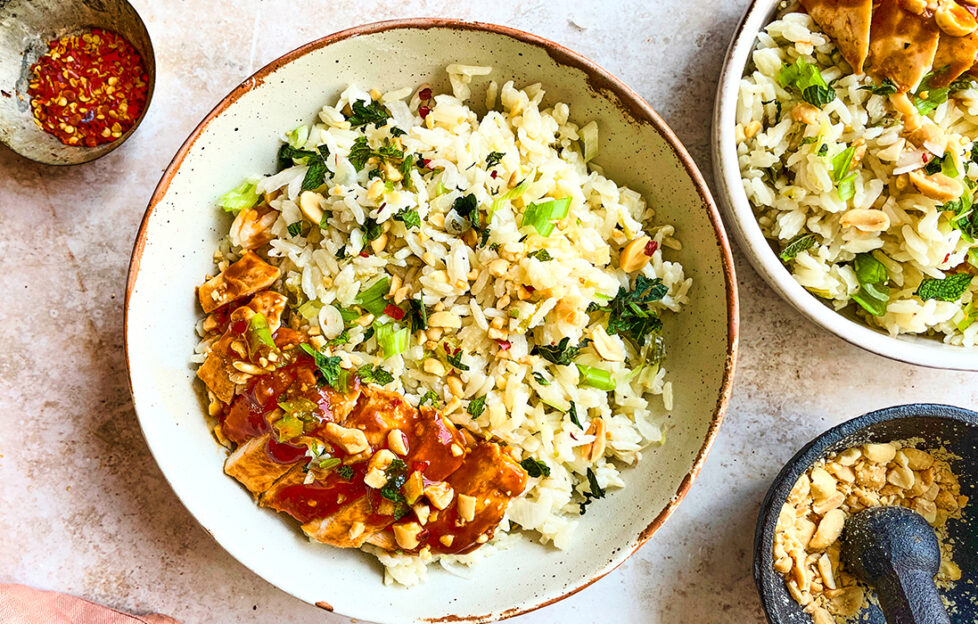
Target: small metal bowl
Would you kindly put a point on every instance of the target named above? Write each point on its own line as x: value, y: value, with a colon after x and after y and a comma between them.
x: 940, y: 426
x: 26, y: 27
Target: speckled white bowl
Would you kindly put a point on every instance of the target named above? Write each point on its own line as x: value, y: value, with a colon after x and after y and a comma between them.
x: 174, y: 251
x: 740, y: 218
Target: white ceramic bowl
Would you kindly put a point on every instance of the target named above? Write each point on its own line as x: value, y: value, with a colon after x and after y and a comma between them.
x: 740, y: 218
x: 174, y: 251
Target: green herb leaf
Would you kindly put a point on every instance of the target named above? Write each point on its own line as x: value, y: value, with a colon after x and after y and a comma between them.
x: 477, y: 406
x: 364, y: 114
x: 494, y: 158
x: 808, y: 80
x: 346, y: 472
x: 540, y: 379
x: 369, y: 373
x: 408, y: 217
x: 429, y: 397
x: 397, y: 474
x: 841, y: 163
x: 329, y: 367
x: 948, y: 289
x: 418, y: 314
x: 371, y: 229
x: 873, y: 295
x: 572, y: 412
x: 595, y: 493
x: 630, y: 311
x: 342, y: 339
x: 541, y: 254
x: 887, y: 87
x: 288, y: 155
x: 797, y: 245
x: 823, y: 149
x: 561, y: 354
x: 360, y: 153
x: 468, y: 207
x: 315, y: 175
x: 372, y: 298
x: 535, y: 468
x: 295, y: 228
x: 455, y: 358
x: 847, y: 187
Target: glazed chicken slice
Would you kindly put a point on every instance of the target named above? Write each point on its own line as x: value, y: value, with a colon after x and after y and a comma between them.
x: 847, y: 22
x: 245, y: 277
x: 902, y: 45
x: 954, y: 57
x: 483, y: 486
x: 345, y: 508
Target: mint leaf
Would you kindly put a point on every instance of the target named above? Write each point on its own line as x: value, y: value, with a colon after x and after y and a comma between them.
x: 948, y: 289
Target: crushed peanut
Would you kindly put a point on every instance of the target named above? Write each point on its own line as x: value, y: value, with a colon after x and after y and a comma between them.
x: 806, y: 541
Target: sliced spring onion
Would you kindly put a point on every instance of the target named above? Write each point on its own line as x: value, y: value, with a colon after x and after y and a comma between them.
x: 241, y: 197
x: 310, y: 310
x: 348, y: 315
x: 970, y: 316
x: 288, y: 427
x: 509, y: 195
x: 259, y: 333
x: 948, y: 166
x: 391, y: 338
x: 372, y: 299
x: 596, y: 377
x: 543, y: 217
x: 589, y: 139
x: 301, y: 405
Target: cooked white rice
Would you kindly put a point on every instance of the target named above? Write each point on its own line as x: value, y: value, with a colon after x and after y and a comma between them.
x: 471, y: 286
x: 792, y: 191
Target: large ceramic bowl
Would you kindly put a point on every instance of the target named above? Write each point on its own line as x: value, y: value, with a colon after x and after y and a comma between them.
x: 740, y: 218
x: 174, y: 251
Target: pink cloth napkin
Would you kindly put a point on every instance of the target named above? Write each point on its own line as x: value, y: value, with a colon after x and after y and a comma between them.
x: 25, y: 605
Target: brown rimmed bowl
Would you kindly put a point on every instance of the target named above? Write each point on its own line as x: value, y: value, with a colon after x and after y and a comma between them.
x: 240, y: 137
x: 26, y: 27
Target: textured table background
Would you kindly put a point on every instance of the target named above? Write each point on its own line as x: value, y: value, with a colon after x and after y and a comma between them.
x: 84, y: 509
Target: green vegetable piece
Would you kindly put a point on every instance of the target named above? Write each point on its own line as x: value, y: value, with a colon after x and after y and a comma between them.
x: 595, y: 493
x: 797, y: 245
x: 310, y: 310
x: 364, y: 114
x: 535, y: 468
x: 371, y: 229
x: 297, y: 138
x: 288, y: 427
x: 408, y: 217
x: 241, y: 197
x: 841, y: 163
x: 329, y: 367
x: 455, y: 359
x: 315, y: 175
x: 494, y: 158
x: 572, y: 413
x: 391, y: 338
x: 295, y: 228
x: 541, y: 254
x: 418, y: 314
x: 477, y: 406
x: 596, y: 377
x: 847, y: 187
x: 540, y: 379
x: 346, y: 472
x: 561, y: 354
x: 873, y: 296
x: 372, y: 298
x: 429, y: 397
x: 951, y: 288
x: 887, y: 87
x: 543, y: 217
x: 259, y: 333
x: 970, y: 316
x: 808, y: 80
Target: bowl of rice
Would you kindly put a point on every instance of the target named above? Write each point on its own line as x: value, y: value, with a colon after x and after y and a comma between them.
x: 827, y: 198
x: 483, y: 223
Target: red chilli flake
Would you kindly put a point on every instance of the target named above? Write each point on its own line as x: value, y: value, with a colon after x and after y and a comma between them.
x: 239, y: 327
x: 651, y: 247
x: 426, y: 163
x: 423, y: 111
x: 529, y: 288
x: 88, y: 89
x: 946, y: 258
x: 493, y: 174
x: 425, y: 94
x: 925, y: 157
x: 364, y: 254
x: 504, y: 345
x: 394, y: 312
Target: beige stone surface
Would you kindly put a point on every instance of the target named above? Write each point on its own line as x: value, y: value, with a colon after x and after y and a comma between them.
x: 84, y: 509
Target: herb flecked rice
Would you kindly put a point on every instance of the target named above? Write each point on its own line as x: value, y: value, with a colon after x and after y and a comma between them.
x: 496, y: 234
x: 825, y: 160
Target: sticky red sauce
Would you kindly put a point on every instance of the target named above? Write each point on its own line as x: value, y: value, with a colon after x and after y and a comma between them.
x: 284, y: 453
x: 320, y: 499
